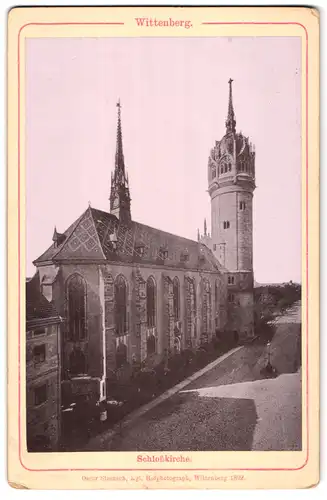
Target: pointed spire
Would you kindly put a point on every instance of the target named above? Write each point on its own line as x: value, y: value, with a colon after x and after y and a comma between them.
x: 230, y: 121
x: 198, y: 234
x: 120, y: 196
x: 205, y: 227
x: 119, y: 159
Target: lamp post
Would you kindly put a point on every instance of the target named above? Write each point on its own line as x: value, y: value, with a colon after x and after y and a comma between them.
x: 268, y: 352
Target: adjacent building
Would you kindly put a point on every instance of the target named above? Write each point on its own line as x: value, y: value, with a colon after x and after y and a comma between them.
x: 43, y: 382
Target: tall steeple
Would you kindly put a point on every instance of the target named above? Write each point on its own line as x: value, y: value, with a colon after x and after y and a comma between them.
x: 230, y: 121
x: 120, y: 200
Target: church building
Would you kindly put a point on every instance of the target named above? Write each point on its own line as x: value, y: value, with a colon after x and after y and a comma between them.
x: 129, y: 293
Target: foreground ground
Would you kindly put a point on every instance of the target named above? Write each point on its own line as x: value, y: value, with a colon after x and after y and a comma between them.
x: 231, y: 407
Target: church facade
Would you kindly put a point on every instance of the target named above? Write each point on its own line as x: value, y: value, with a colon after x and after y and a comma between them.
x: 130, y: 293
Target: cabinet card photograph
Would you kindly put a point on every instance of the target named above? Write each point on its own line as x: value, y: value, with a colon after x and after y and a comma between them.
x: 163, y: 247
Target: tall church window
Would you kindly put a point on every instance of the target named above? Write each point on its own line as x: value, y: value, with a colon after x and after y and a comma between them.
x: 151, y: 345
x: 216, y: 297
x: 120, y: 305
x: 150, y: 302
x: 176, y: 298
x: 76, y: 292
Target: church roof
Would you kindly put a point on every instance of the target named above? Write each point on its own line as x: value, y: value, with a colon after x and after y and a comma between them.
x: 37, y: 306
x: 98, y: 235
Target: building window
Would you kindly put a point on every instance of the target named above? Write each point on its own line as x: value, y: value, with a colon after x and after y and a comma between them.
x: 120, y: 305
x: 39, y: 331
x: 231, y: 297
x: 229, y: 166
x: 163, y: 253
x: 231, y: 280
x: 76, y: 308
x: 39, y: 354
x: 176, y: 298
x: 150, y: 302
x: 242, y: 205
x: 214, y: 247
x: 226, y: 224
x: 40, y: 394
x: 222, y: 170
x: 185, y: 255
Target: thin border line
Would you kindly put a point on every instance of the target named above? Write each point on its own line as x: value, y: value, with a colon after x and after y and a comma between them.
x: 19, y: 262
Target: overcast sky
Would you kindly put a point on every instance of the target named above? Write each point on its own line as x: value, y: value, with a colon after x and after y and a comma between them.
x: 174, y: 96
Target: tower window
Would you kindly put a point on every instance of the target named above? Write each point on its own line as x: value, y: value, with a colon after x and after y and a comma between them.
x: 229, y: 166
x: 231, y: 280
x: 214, y: 247
x: 226, y: 224
x: 225, y: 169
x: 222, y: 170
x: 242, y: 205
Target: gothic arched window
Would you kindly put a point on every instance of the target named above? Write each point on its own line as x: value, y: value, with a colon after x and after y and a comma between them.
x: 120, y: 305
x: 206, y: 307
x: 216, y: 297
x: 121, y: 355
x: 176, y: 298
x: 77, y: 362
x: 76, y: 295
x: 150, y: 302
x: 151, y: 345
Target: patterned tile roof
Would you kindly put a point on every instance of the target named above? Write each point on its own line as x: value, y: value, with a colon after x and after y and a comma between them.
x: 37, y: 306
x: 98, y: 235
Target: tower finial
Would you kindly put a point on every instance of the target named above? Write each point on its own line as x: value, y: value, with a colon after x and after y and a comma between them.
x: 198, y: 234
x: 230, y: 121
x: 119, y: 163
x: 205, y: 227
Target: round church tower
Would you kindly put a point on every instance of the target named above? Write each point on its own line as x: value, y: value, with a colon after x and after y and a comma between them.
x: 231, y: 179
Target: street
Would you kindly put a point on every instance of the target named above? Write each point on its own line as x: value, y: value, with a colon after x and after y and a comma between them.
x: 231, y: 407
